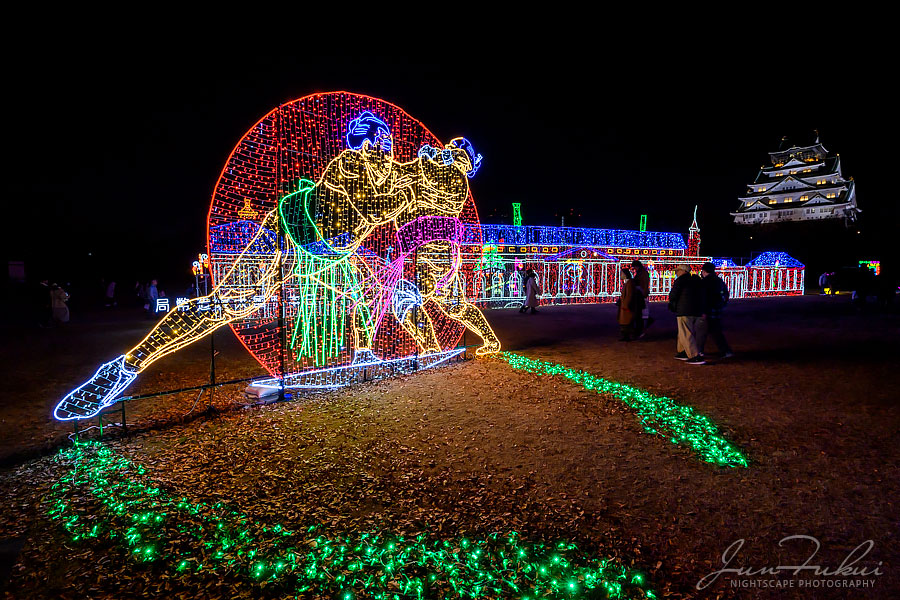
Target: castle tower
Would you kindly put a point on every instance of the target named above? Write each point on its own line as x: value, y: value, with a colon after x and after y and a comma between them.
x: 802, y: 184
x: 694, y: 237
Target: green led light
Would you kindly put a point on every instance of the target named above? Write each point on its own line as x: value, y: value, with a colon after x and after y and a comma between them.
x: 176, y: 533
x: 659, y: 415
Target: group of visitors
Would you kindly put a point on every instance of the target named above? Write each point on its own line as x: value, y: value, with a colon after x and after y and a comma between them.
x: 696, y: 301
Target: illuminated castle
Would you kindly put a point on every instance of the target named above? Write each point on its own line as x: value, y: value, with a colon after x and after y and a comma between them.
x: 802, y: 184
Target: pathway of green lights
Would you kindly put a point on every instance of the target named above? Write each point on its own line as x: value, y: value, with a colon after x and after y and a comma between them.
x: 659, y: 415
x: 198, y: 539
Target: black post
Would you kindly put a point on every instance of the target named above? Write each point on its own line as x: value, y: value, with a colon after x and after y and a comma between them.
x: 124, y: 424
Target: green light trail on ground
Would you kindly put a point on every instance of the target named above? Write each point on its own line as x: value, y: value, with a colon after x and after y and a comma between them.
x: 659, y: 415
x: 200, y: 540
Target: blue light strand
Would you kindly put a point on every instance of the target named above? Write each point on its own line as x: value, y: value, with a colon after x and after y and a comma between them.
x: 524, y: 235
x: 769, y: 259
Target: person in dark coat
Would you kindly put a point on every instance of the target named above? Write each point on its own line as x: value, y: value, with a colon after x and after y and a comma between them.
x: 642, y: 284
x: 715, y: 296
x: 686, y: 301
x: 630, y: 303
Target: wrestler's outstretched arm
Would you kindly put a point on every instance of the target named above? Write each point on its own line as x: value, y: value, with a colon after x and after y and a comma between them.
x: 231, y: 299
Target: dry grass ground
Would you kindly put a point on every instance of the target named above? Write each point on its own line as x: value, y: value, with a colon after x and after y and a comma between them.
x: 477, y: 447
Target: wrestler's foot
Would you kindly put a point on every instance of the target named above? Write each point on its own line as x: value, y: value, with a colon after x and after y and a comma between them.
x: 365, y: 356
x: 489, y: 347
x: 101, y: 391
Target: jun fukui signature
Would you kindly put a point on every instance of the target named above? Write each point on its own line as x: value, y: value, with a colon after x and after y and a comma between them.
x: 845, y: 569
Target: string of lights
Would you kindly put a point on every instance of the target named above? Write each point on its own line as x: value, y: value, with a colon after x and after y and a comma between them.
x: 659, y: 415
x: 200, y: 540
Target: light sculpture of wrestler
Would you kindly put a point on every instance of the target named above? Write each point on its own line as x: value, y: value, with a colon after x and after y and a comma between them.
x: 326, y: 223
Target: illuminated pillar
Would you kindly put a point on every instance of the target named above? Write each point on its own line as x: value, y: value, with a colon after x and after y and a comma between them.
x: 517, y: 214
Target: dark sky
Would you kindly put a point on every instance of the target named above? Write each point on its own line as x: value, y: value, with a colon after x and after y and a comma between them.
x: 115, y: 152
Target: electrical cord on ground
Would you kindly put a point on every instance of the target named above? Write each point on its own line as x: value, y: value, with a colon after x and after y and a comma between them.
x: 200, y: 393
x: 72, y: 435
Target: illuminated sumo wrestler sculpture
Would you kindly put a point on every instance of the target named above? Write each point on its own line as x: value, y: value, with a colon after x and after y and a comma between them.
x: 326, y: 223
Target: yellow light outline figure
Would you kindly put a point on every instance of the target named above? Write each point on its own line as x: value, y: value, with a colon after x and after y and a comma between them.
x: 400, y: 192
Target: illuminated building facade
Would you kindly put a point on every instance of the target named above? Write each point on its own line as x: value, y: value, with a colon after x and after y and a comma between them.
x: 581, y: 265
x: 802, y: 184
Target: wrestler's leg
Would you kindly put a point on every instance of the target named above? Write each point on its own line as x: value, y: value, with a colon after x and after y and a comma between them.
x: 418, y: 324
x: 230, y: 300
x: 361, y: 316
x: 457, y: 308
x: 415, y: 320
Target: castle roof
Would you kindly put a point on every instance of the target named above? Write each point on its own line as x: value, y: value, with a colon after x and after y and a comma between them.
x: 817, y: 148
x: 815, y: 198
x: 831, y: 166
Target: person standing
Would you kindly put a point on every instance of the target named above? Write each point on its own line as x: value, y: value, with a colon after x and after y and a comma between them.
x: 823, y: 280
x: 642, y: 284
x: 715, y: 297
x: 58, y: 298
x: 526, y: 275
x: 152, y: 297
x: 532, y: 291
x: 629, y: 307
x: 111, y: 294
x: 686, y: 301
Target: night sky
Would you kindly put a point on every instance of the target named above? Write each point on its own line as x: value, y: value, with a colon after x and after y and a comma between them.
x: 113, y: 155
